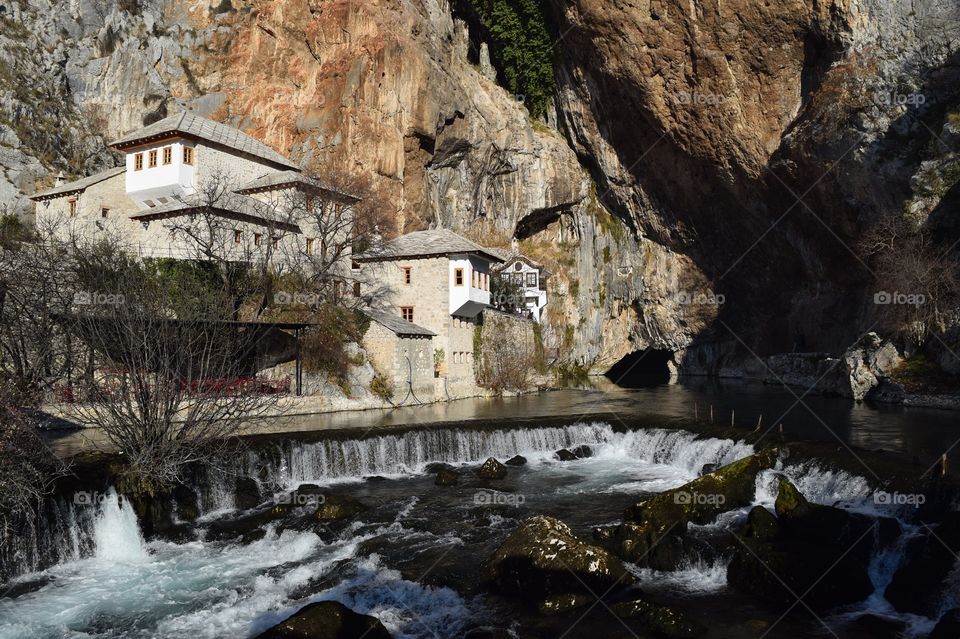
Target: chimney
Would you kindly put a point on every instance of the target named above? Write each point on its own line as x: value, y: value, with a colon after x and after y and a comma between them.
x: 59, y: 179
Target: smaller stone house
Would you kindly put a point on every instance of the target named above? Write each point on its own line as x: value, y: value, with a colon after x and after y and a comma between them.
x: 403, y: 352
x: 530, y: 278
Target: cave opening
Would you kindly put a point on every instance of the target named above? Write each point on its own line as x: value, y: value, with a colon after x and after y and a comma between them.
x: 641, y: 369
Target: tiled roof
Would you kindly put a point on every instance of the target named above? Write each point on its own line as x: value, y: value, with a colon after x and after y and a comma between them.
x: 424, y: 243
x: 289, y: 178
x: 78, y: 185
x: 510, y: 259
x: 397, y: 324
x: 222, y: 134
x: 230, y: 202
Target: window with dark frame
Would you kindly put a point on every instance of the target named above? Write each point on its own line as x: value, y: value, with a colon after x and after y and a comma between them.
x: 309, y: 246
x: 406, y: 312
x: 458, y: 277
x: 237, y: 236
x: 72, y: 205
x: 532, y: 280
x: 257, y: 239
x: 104, y: 212
x: 407, y: 277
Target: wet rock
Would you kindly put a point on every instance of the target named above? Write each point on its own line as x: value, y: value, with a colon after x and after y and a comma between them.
x: 880, y: 627
x: 582, y: 452
x: 12, y: 591
x: 544, y: 558
x: 187, y: 503
x: 447, y: 477
x: 818, y: 550
x: 917, y: 584
x: 762, y: 524
x: 492, y: 469
x: 308, y: 489
x: 436, y: 467
x: 246, y: 493
x: 560, y: 604
x: 706, y: 469
x: 565, y: 455
x: 701, y: 500
x: 517, y: 460
x: 327, y: 620
x: 338, y: 508
x: 651, y: 544
x: 664, y: 621
x: 948, y: 627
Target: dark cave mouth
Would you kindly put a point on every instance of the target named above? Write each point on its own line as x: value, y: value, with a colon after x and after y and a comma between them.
x: 641, y: 369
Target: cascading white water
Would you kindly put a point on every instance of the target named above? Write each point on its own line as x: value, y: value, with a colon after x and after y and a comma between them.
x: 410, y: 452
x: 116, y: 534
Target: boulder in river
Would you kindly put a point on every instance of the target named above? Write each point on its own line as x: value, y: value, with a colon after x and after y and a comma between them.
x: 582, y: 452
x: 664, y: 621
x: 327, y: 620
x: 565, y: 455
x: 543, y: 558
x: 821, y: 551
x: 338, y: 507
x: 516, y: 460
x: 701, y: 500
x: 447, y: 477
x: 246, y: 493
x: 917, y: 584
x: 492, y: 469
x: 762, y: 524
x: 948, y: 627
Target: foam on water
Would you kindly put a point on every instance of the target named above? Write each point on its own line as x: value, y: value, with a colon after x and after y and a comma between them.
x: 691, y: 578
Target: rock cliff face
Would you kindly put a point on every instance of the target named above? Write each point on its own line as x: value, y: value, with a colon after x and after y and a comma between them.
x: 681, y: 137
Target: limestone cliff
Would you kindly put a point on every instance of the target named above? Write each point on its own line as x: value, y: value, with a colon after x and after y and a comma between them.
x: 664, y: 174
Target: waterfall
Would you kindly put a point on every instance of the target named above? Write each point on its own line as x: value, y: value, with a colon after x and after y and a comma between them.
x: 89, y: 524
x: 116, y: 535
x: 290, y: 462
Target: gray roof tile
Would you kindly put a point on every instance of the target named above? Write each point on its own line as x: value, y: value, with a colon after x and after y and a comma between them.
x: 225, y: 135
x: 397, y: 324
x: 78, y: 185
x: 287, y: 178
x: 231, y: 202
x: 423, y: 243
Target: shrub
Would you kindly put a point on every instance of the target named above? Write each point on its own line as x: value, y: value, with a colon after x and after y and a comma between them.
x: 381, y: 387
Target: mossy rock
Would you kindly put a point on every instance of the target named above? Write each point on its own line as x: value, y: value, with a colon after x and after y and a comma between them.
x: 701, y: 500
x: 650, y: 544
x: 662, y: 620
x: 492, y: 469
x: 327, y: 620
x: 762, y: 524
x: 543, y: 558
x: 338, y: 508
x: 560, y: 604
x: 447, y: 477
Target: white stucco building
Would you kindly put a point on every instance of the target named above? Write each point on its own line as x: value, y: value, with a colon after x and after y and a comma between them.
x: 174, y: 169
x: 439, y: 281
x: 530, y: 279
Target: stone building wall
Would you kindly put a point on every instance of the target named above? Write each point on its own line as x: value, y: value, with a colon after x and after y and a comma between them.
x: 390, y: 354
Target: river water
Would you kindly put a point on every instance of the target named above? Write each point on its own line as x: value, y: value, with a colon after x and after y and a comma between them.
x: 413, y: 556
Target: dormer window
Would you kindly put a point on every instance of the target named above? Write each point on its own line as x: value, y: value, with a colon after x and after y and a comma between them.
x: 138, y: 162
x: 167, y: 154
x: 152, y: 159
x: 188, y: 155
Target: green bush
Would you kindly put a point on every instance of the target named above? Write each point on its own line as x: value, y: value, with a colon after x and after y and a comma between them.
x: 380, y: 387
x: 520, y: 48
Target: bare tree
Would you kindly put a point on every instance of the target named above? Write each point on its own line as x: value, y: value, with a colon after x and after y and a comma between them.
x: 506, y: 362
x: 918, y: 288
x: 171, y: 380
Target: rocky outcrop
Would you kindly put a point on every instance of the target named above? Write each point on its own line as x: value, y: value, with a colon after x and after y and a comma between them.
x: 327, y: 620
x: 820, y: 551
x: 543, y: 558
x: 492, y: 469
